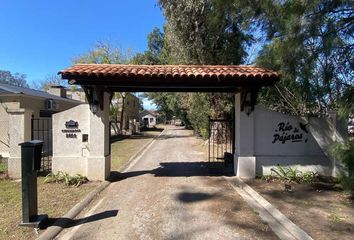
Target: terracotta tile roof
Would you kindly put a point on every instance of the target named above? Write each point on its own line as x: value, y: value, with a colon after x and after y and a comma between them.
x: 166, y: 71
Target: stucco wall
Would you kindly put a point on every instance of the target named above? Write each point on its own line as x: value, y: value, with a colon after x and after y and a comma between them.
x: 19, y: 109
x: 78, y: 95
x: 74, y: 155
x: 4, y: 132
x: 37, y: 104
x: 288, y: 141
x: 69, y: 154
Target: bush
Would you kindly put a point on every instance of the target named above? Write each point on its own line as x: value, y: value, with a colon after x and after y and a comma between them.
x: 345, y: 154
x: 61, y: 177
x: 294, y: 175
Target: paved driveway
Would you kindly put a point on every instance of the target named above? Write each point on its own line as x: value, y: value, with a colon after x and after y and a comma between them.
x: 169, y: 194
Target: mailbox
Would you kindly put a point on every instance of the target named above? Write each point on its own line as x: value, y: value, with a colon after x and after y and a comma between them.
x: 31, y: 155
x: 37, y: 155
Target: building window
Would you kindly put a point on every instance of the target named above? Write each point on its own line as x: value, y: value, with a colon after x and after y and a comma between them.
x: 151, y: 120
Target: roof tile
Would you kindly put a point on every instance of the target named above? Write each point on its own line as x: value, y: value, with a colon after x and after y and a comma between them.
x: 117, y: 70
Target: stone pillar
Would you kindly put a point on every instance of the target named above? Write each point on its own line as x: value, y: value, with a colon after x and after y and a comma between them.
x: 245, y: 160
x: 19, y: 131
x: 99, y: 159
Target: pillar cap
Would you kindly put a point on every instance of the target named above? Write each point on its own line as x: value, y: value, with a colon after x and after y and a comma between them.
x: 31, y: 143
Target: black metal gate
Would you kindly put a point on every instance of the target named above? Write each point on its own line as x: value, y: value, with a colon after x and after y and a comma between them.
x: 42, y: 130
x: 221, y: 140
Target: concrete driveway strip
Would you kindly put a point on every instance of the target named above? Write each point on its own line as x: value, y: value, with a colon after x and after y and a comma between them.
x: 169, y: 193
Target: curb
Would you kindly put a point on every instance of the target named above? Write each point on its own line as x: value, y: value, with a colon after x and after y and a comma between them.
x: 59, y: 225
x: 283, y: 227
x: 142, y: 149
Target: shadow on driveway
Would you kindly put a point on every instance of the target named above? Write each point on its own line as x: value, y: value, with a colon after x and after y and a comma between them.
x: 68, y: 223
x: 177, y: 169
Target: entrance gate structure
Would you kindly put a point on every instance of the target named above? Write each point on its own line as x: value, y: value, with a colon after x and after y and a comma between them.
x: 100, y: 81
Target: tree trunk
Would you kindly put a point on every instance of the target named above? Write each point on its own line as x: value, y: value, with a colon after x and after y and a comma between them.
x: 122, y: 94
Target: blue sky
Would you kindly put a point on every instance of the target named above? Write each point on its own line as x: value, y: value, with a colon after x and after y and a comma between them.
x: 39, y: 38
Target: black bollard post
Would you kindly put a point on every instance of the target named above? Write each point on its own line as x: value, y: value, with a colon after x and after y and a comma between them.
x: 31, y: 154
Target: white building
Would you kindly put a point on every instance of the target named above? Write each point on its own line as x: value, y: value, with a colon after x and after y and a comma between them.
x: 148, y: 118
x: 19, y: 107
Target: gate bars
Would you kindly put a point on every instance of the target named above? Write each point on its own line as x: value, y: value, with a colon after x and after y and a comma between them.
x: 221, y: 139
x: 42, y: 130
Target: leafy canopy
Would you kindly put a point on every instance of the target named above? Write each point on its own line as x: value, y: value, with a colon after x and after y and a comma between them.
x: 211, y: 34
x: 311, y: 44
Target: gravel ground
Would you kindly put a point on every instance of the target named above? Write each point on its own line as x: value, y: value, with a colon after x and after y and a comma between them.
x: 169, y: 194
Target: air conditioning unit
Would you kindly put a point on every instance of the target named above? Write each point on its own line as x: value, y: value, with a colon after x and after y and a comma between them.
x: 50, y: 104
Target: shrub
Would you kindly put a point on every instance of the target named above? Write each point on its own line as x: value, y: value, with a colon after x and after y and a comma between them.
x: 309, y: 176
x: 345, y: 154
x: 293, y: 174
x: 61, y: 177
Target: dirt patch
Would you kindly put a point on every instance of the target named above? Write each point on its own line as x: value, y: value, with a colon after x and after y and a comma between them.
x: 236, y: 212
x: 323, y: 214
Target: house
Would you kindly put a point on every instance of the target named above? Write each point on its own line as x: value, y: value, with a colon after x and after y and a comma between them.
x: 76, y: 94
x: 25, y: 114
x: 148, y: 118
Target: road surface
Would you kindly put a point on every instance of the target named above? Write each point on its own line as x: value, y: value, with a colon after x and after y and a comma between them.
x: 168, y: 193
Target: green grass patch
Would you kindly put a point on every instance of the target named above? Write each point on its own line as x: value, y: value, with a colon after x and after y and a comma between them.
x: 3, y: 167
x: 53, y: 199
x: 123, y: 150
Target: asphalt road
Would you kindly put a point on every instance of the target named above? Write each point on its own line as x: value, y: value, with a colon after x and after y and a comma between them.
x: 169, y: 193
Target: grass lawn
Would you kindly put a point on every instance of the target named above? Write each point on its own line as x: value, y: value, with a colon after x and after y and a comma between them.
x: 53, y: 199
x: 123, y: 150
x: 323, y: 214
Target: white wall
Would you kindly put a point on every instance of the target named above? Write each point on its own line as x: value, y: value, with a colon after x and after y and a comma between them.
x: 15, y: 118
x: 149, y: 116
x: 265, y: 139
x: 72, y: 155
x: 288, y: 141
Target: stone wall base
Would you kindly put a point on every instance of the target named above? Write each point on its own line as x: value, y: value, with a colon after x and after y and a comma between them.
x: 94, y: 168
x: 245, y: 167
x: 14, y: 167
x: 98, y: 168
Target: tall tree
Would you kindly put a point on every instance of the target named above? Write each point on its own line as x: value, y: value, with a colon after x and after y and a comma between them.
x: 16, y: 79
x: 311, y: 44
x: 155, y: 53
x: 211, y: 34
x: 104, y: 53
